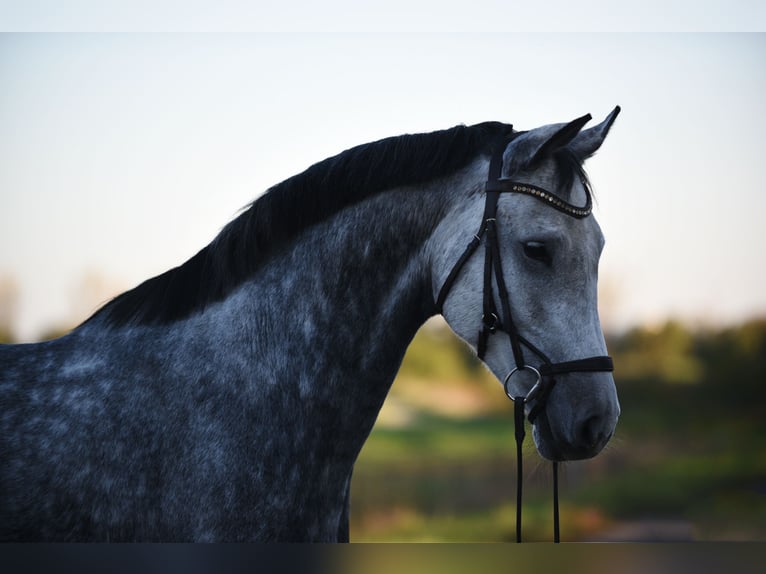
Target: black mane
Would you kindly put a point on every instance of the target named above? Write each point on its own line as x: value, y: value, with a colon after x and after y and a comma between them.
x: 292, y: 206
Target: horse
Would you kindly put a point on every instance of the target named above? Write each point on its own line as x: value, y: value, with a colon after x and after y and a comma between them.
x: 227, y: 399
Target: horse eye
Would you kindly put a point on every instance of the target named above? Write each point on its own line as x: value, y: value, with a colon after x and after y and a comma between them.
x: 537, y: 251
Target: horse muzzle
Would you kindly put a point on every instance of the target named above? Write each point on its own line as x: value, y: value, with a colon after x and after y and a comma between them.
x: 579, y: 429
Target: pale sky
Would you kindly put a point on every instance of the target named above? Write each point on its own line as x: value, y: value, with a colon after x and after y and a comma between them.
x: 121, y: 155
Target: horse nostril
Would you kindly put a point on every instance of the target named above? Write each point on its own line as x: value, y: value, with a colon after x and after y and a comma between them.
x: 591, y: 431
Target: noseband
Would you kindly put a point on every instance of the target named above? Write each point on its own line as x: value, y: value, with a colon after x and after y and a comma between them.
x: 538, y: 395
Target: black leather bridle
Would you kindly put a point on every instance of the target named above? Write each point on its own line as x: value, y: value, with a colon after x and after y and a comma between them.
x: 493, y: 322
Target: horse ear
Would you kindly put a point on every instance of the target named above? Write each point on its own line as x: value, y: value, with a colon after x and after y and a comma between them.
x: 560, y: 138
x: 535, y: 145
x: 588, y: 141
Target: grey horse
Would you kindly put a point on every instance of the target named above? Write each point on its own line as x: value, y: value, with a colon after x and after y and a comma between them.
x: 228, y: 398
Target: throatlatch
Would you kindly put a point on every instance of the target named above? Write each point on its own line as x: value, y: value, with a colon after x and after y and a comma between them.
x: 492, y: 321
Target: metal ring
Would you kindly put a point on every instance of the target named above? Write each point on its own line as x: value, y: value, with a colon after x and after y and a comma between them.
x: 535, y: 388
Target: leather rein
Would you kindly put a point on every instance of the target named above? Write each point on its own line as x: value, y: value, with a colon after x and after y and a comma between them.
x: 494, y: 321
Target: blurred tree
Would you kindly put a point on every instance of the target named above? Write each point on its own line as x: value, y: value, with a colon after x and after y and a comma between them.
x: 91, y: 292
x: 437, y: 354
x: 9, y: 300
x: 735, y: 362
x: 665, y: 354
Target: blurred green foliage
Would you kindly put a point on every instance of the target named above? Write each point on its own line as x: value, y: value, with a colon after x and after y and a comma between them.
x: 666, y: 354
x: 688, y: 460
x: 436, y: 354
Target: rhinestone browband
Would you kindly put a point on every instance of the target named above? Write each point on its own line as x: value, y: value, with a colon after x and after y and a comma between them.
x: 506, y: 186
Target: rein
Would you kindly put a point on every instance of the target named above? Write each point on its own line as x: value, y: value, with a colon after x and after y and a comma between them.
x: 494, y: 321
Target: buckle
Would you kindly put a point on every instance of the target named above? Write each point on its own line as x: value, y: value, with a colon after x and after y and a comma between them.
x: 491, y: 322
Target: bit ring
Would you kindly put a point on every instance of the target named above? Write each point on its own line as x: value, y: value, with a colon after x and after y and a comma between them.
x: 532, y: 392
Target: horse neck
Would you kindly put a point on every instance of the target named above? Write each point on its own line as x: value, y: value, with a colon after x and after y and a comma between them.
x: 325, y: 324
x: 352, y: 291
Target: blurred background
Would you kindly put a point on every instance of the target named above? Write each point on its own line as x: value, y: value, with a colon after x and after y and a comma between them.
x: 122, y: 154
x: 687, y: 462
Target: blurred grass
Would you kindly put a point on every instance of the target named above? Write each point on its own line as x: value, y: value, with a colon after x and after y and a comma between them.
x: 688, y: 460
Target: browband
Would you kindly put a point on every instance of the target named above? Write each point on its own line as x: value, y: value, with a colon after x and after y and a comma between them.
x: 510, y: 186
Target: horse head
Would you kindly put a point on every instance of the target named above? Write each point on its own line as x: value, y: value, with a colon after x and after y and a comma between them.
x: 539, y: 311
